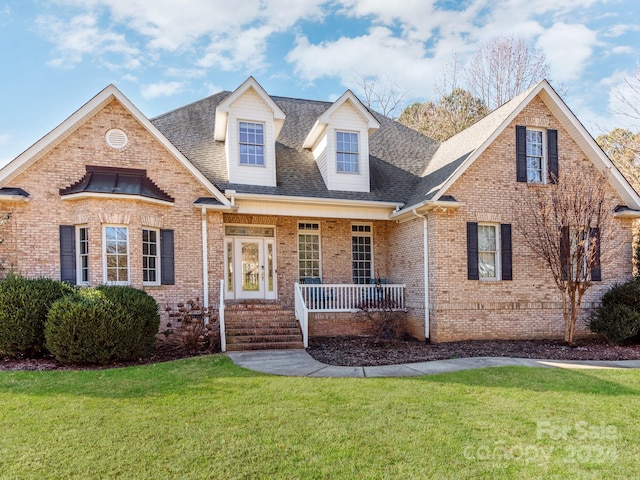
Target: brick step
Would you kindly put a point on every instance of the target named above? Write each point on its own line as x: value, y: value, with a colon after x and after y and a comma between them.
x: 239, y: 347
x: 258, y: 313
x: 235, y: 331
x: 235, y: 323
x: 235, y: 339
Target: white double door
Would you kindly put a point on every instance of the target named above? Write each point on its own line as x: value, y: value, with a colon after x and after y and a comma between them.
x: 254, y: 268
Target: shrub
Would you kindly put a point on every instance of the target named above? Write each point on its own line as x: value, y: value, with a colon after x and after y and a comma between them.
x: 142, y: 306
x: 102, y: 325
x: 616, y: 321
x: 24, y: 304
x: 623, y: 294
x: 194, y: 330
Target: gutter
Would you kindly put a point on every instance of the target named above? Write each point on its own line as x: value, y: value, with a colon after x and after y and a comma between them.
x: 425, y: 242
x: 205, y: 260
x: 425, y: 206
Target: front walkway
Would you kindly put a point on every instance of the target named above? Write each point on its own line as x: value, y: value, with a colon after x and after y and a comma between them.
x: 298, y: 363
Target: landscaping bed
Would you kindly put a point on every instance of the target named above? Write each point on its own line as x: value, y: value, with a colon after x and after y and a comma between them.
x: 369, y: 351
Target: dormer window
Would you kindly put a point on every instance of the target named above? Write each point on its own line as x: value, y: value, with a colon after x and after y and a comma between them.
x: 347, y: 152
x: 252, y: 144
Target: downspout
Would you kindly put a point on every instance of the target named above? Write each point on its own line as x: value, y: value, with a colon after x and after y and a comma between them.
x: 205, y: 261
x: 425, y: 242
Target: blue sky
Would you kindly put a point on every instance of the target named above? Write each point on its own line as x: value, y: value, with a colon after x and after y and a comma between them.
x: 162, y: 54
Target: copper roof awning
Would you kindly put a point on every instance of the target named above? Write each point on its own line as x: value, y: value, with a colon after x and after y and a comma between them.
x: 114, y: 180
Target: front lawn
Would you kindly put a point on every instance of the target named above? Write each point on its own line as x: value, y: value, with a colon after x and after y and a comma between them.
x: 207, y: 418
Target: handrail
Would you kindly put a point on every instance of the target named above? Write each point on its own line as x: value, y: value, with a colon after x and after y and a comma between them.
x: 223, y: 334
x: 348, y: 297
x: 302, y: 314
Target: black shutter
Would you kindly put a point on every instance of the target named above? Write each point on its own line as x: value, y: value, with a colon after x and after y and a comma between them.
x: 552, y: 152
x: 565, y: 252
x: 521, y: 153
x: 505, y: 251
x: 596, y: 273
x: 68, y: 254
x: 167, y: 270
x: 472, y: 251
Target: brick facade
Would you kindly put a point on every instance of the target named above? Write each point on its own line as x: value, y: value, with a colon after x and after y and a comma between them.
x: 526, y: 307
x: 529, y: 306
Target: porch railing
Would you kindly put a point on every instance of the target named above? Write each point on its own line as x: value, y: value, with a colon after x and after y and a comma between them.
x: 347, y: 297
x: 302, y: 314
x: 223, y: 334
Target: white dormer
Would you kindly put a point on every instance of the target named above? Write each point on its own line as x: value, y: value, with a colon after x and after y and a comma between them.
x: 339, y: 141
x: 249, y: 122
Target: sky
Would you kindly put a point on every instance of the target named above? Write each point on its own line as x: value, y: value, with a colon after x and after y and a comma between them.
x: 162, y: 54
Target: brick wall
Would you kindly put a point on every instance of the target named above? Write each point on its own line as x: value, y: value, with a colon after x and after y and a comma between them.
x: 530, y: 305
x: 32, y: 236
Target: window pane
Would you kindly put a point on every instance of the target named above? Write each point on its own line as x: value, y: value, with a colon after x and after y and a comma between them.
x: 486, y: 238
x: 487, y: 264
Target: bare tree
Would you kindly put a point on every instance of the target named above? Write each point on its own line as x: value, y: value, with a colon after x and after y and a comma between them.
x: 628, y: 96
x: 623, y: 148
x: 453, y: 113
x: 563, y: 226
x: 380, y: 94
x: 503, y: 68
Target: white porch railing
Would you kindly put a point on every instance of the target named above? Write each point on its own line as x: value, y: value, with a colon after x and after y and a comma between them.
x: 347, y: 297
x: 344, y: 297
x: 223, y: 335
x: 302, y: 314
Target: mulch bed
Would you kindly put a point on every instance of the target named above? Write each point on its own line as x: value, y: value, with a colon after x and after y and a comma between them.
x: 369, y: 351
x: 163, y: 353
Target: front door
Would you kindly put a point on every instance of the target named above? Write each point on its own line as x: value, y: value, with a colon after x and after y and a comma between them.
x: 253, y: 268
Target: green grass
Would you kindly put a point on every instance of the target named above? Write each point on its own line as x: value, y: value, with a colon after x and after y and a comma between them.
x: 208, y: 418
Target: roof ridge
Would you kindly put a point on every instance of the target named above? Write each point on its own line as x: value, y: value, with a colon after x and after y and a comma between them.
x: 177, y: 109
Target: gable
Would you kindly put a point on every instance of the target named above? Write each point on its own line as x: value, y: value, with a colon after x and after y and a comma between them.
x: 112, y: 102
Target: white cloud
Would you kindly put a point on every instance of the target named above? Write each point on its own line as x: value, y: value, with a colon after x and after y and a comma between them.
x: 620, y: 29
x: 4, y: 138
x: 161, y: 89
x: 82, y: 36
x: 622, y: 50
x: 577, y: 41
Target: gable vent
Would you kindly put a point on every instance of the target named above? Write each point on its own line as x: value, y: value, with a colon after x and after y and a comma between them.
x: 116, y: 138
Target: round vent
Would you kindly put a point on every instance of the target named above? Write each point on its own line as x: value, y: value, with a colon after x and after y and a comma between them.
x: 116, y: 138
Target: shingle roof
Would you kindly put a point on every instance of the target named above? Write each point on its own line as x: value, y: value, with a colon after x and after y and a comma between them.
x: 397, y: 153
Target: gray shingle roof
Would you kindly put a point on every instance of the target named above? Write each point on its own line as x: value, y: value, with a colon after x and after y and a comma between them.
x: 405, y: 166
x: 397, y: 153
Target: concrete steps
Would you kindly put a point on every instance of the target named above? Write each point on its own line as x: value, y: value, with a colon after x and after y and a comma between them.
x: 261, y: 325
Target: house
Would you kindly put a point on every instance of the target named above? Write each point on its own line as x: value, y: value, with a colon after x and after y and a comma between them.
x: 247, y: 201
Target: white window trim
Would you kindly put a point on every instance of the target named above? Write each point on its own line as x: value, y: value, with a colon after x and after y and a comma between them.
x: 498, y: 266
x: 104, y: 255
x: 363, y: 234
x: 157, y: 283
x: 545, y: 157
x: 357, y: 134
x: 79, y: 280
x: 310, y: 232
x: 264, y: 144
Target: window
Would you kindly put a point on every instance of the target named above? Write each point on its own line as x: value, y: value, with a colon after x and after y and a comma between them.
x: 489, y: 254
x: 361, y: 253
x: 347, y: 152
x: 308, y: 251
x: 580, y: 253
x: 535, y: 156
x: 150, y: 257
x: 251, y: 144
x: 116, y: 255
x: 83, y: 255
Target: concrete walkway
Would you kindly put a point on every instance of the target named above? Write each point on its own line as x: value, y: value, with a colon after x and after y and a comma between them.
x: 298, y: 363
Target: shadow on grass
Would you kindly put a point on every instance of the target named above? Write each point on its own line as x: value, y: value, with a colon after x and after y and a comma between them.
x: 166, y: 378
x: 592, y: 381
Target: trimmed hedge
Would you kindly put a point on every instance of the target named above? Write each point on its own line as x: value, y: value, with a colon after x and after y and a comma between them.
x: 617, y: 322
x: 618, y: 319
x: 24, y: 304
x: 102, y: 325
